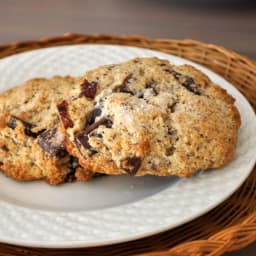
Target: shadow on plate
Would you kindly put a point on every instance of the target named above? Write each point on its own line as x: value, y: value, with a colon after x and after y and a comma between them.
x: 101, y: 192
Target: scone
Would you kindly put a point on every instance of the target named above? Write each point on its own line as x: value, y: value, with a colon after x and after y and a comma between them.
x: 31, y: 145
x: 146, y: 116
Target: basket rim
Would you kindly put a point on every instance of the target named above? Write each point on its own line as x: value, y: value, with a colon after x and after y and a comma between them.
x: 134, y: 37
x: 234, y: 231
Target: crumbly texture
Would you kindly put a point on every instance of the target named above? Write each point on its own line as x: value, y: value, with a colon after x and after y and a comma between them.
x: 146, y: 116
x: 31, y: 144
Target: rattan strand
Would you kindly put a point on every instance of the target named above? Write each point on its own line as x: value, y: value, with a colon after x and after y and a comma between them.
x: 231, y: 225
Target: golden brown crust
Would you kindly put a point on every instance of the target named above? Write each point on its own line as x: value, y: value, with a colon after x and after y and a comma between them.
x: 146, y: 116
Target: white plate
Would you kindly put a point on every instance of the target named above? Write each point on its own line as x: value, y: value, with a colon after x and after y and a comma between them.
x: 110, y: 209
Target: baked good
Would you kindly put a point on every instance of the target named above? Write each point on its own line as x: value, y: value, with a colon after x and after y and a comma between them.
x: 147, y: 116
x: 31, y: 144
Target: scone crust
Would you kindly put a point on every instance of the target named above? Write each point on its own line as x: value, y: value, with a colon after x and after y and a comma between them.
x: 147, y: 116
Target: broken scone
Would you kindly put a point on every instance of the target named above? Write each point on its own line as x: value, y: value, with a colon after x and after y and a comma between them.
x: 146, y: 116
x: 31, y: 144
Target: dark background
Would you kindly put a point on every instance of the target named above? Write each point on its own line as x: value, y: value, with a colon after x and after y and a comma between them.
x: 224, y: 22
x: 231, y: 23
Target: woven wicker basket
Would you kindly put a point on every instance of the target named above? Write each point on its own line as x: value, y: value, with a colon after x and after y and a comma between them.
x: 228, y: 227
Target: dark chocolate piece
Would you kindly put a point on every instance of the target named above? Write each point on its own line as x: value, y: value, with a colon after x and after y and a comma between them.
x: 176, y: 74
x: 12, y: 123
x: 88, y: 89
x: 82, y: 138
x: 132, y: 164
x: 190, y: 85
x: 49, y: 141
x: 186, y: 81
x: 92, y: 115
x: 63, y: 111
x: 103, y: 121
x: 123, y: 87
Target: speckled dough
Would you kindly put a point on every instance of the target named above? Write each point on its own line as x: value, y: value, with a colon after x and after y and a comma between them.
x: 31, y: 144
x: 146, y: 116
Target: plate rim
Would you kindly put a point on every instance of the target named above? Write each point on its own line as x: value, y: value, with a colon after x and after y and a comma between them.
x: 79, y: 244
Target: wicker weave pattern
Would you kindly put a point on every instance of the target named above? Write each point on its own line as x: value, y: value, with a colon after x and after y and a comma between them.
x: 231, y: 225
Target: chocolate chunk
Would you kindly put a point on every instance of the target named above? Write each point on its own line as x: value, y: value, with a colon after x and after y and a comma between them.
x: 186, y: 81
x: 82, y: 139
x: 103, y: 121
x: 28, y: 131
x: 51, y: 141
x: 92, y: 115
x: 88, y: 89
x: 131, y: 165
x: 63, y: 111
x: 176, y: 74
x: 123, y: 87
x: 190, y: 85
x: 12, y: 123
